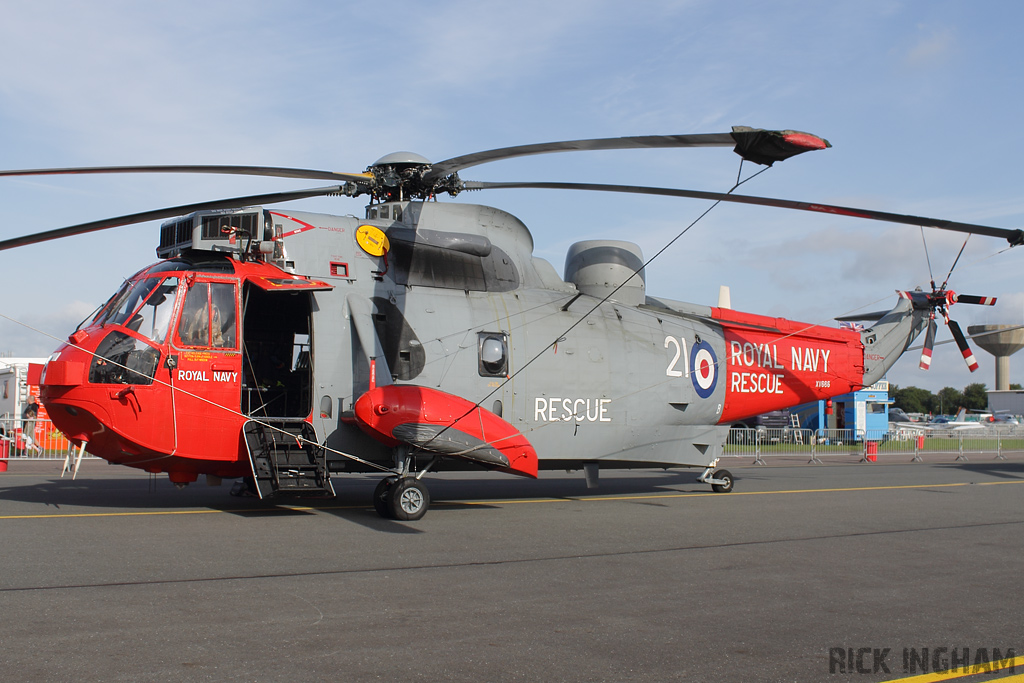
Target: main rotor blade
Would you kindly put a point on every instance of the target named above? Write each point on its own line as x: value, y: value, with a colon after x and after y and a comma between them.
x: 455, y: 164
x: 273, y: 171
x: 170, y: 212
x: 754, y: 144
x: 961, y: 342
x: 1014, y: 237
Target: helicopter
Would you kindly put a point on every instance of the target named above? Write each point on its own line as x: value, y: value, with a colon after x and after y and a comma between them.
x: 280, y: 347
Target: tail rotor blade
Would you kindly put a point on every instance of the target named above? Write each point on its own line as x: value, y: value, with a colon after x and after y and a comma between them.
x: 961, y: 342
x: 979, y: 300
x: 929, y: 342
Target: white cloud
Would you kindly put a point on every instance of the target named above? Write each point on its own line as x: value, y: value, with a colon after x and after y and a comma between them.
x: 39, y: 333
x: 934, y: 48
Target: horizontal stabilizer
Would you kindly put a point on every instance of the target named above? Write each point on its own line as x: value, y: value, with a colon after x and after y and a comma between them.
x: 874, y: 315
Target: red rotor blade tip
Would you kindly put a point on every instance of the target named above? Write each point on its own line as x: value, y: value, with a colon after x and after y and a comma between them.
x: 806, y: 140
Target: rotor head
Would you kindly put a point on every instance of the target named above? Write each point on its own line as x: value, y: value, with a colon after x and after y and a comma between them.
x: 404, y: 175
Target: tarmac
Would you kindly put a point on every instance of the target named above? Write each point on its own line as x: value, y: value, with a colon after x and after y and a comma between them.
x: 802, y: 573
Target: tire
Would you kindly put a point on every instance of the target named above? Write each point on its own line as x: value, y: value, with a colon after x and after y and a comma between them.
x: 409, y: 500
x: 245, y: 486
x: 382, y: 497
x: 727, y: 477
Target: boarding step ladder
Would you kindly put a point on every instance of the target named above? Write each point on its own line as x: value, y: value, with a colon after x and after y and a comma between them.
x: 286, y: 458
x: 798, y: 434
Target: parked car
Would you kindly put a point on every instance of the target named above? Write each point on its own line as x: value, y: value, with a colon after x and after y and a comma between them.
x: 897, y: 415
x: 770, y: 427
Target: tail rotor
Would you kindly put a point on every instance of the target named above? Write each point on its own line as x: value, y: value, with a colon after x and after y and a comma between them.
x: 938, y: 301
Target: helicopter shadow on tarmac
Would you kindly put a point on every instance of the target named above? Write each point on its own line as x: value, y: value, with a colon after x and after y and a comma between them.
x: 469, y: 491
x: 92, y: 492
x: 1000, y: 469
x: 100, y: 495
x: 473, y: 488
x: 49, y: 494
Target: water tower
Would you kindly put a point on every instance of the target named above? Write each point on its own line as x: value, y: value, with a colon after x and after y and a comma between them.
x: 1002, y: 341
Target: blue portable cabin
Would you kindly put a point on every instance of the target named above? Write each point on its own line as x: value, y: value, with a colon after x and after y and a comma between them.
x: 866, y: 412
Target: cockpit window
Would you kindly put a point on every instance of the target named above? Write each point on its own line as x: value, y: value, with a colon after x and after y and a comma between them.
x: 153, y: 318
x: 123, y: 304
x: 208, y: 316
x: 113, y: 302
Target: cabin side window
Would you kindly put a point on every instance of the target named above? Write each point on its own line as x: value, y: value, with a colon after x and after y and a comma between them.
x: 492, y: 355
x: 208, y: 316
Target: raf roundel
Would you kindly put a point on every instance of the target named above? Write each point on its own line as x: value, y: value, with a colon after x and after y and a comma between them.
x: 703, y: 369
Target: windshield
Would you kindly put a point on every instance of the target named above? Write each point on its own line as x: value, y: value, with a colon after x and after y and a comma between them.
x: 126, y: 301
x: 143, y: 306
x: 154, y: 316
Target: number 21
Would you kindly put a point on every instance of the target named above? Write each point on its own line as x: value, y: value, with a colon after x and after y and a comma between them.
x: 680, y: 351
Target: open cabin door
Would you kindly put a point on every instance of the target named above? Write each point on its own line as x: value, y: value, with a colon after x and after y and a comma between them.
x: 277, y: 352
x: 277, y: 387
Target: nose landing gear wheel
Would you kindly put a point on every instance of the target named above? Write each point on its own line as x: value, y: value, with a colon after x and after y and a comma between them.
x: 408, y: 500
x: 724, y: 476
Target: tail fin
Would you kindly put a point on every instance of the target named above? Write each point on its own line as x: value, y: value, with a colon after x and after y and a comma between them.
x: 890, y: 336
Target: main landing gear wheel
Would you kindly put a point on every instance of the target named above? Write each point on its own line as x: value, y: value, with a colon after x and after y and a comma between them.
x: 382, y: 497
x: 724, y: 476
x: 408, y: 499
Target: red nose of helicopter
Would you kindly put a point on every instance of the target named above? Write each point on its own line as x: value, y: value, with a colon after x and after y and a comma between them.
x: 121, y: 422
x: 155, y: 380
x: 110, y: 387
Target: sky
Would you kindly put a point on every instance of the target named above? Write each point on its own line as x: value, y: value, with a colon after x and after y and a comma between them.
x: 920, y: 101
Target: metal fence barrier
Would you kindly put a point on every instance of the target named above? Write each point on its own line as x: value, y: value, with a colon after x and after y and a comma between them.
x: 40, y: 440
x: 33, y: 440
x: 959, y: 443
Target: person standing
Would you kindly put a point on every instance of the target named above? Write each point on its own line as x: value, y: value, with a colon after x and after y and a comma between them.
x: 28, y: 424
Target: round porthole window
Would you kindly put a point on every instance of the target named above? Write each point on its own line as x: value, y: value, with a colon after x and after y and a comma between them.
x: 493, y: 355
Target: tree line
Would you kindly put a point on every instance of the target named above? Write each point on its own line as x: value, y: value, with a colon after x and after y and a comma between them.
x: 947, y: 401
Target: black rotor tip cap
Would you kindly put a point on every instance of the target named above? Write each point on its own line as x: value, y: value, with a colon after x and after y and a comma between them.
x: 768, y: 146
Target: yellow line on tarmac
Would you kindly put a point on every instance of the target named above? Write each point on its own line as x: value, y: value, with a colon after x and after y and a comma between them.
x: 520, y: 501
x: 111, y: 514
x: 974, y: 670
x: 156, y: 513
x: 707, y: 494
